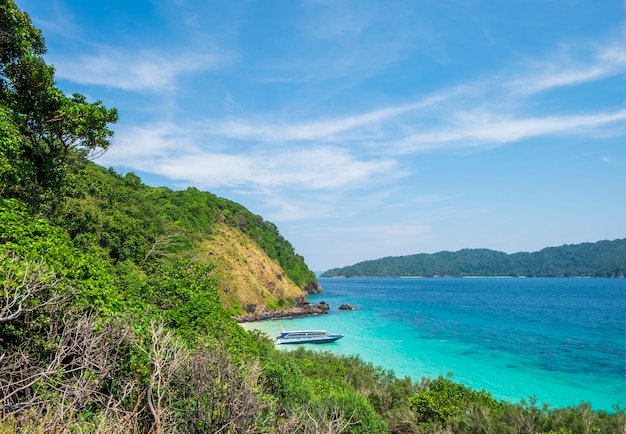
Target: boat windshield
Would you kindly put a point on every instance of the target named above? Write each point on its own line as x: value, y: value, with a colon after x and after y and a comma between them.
x: 305, y: 333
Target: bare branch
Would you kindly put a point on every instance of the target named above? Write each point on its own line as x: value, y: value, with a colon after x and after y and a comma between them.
x: 160, y: 244
x: 166, y: 355
x: 85, y: 356
x: 23, y: 284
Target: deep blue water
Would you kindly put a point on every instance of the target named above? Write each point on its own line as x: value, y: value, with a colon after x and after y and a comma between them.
x: 562, y: 340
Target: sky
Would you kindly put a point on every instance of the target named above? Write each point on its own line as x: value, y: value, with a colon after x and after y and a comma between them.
x: 365, y: 129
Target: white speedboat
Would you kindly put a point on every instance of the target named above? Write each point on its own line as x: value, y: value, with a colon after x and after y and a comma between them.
x: 306, y: 337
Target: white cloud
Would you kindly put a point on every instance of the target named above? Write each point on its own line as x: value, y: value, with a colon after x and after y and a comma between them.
x: 485, y: 113
x: 494, y: 111
x: 270, y: 155
x: 297, y: 208
x: 472, y: 129
x: 141, y: 145
x: 571, y: 69
x: 305, y: 154
x: 309, y: 169
x: 145, y: 70
x: 360, y: 125
x: 173, y: 151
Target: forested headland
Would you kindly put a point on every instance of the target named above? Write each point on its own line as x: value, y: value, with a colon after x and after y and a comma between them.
x: 600, y: 259
x: 118, y: 299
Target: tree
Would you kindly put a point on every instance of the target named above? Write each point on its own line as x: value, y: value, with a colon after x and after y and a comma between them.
x: 17, y: 37
x: 43, y: 130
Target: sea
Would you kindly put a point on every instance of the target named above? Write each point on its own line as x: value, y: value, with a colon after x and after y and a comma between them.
x: 559, y: 340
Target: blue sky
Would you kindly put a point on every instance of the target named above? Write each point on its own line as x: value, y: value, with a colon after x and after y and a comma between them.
x: 366, y: 129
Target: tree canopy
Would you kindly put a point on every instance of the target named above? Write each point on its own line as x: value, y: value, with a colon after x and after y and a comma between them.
x: 38, y: 122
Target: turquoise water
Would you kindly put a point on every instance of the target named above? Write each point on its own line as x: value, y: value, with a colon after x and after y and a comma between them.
x: 562, y: 340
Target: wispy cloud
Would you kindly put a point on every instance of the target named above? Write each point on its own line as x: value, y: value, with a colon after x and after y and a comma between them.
x: 567, y: 69
x: 146, y: 70
x: 281, y: 209
x: 483, y: 113
x: 488, y: 129
x: 493, y: 111
x: 333, y: 168
x: 360, y: 125
x: 280, y: 153
x: 275, y: 152
x: 172, y: 151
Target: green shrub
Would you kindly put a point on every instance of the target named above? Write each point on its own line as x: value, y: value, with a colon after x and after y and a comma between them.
x: 283, y: 379
x: 348, y: 411
x: 444, y: 399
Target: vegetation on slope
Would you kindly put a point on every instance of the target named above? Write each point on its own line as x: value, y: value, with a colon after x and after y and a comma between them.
x: 129, y: 225
x: 111, y: 319
x: 601, y: 259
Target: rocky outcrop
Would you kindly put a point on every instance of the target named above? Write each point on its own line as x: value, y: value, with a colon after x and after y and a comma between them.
x: 347, y: 306
x: 312, y: 288
x: 303, y: 308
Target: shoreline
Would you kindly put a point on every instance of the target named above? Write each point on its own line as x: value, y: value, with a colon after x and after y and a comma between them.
x: 299, y: 311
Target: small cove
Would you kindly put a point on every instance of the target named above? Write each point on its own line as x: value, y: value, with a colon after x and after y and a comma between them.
x: 562, y: 340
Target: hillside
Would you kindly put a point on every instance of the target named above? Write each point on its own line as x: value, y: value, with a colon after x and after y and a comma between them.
x: 127, y: 222
x: 601, y: 259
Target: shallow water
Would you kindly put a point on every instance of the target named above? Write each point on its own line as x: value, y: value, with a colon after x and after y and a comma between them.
x: 562, y: 340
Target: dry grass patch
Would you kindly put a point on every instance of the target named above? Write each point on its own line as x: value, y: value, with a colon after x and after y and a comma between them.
x: 247, y: 275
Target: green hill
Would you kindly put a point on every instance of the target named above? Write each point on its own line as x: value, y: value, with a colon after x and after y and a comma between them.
x: 129, y: 225
x: 601, y: 259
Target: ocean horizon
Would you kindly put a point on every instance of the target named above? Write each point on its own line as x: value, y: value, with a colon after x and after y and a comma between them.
x: 560, y: 340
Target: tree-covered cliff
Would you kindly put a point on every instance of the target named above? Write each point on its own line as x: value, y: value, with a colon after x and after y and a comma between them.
x: 601, y: 259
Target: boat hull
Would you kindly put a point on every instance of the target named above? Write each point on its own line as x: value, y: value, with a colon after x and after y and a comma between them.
x: 325, y: 340
x: 306, y: 337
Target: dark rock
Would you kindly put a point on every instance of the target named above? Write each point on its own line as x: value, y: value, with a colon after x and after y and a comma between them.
x: 312, y: 288
x: 302, y: 309
x: 347, y: 306
x: 302, y: 302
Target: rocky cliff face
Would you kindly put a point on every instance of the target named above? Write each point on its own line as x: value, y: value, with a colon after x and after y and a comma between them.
x: 313, y: 288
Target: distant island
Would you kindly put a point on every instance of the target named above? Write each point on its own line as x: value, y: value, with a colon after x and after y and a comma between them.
x: 600, y: 259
